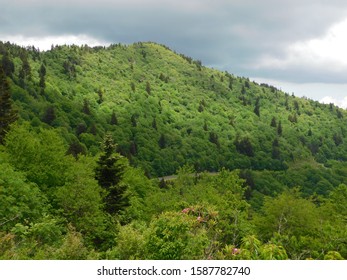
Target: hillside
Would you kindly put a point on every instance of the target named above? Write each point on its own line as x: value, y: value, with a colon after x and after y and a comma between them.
x: 166, y: 110
x: 166, y: 113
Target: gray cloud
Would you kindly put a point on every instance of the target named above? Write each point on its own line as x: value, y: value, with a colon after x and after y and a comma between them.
x: 230, y: 35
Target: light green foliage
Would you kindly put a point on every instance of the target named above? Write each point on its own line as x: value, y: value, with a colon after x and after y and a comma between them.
x: 140, y: 188
x: 188, y: 234
x: 273, y: 252
x: 334, y: 231
x: 20, y: 201
x: 80, y: 201
x: 333, y: 255
x: 232, y: 206
x: 338, y: 198
x: 41, y: 155
x: 174, y: 236
x: 130, y: 243
x: 225, y: 193
x: 287, y: 214
x: 46, y: 231
x: 34, y: 240
x: 73, y: 248
x: 252, y: 249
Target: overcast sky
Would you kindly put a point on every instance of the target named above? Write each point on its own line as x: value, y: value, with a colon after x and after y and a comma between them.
x: 298, y: 46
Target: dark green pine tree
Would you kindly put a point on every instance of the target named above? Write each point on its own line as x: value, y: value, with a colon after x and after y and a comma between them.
x: 154, y: 124
x: 279, y: 128
x: 7, y: 114
x: 276, y: 154
x: 42, y: 74
x: 7, y: 64
x: 162, y: 141
x: 114, y: 120
x: 76, y: 148
x: 109, y: 173
x: 148, y: 88
x: 257, y: 107
x: 49, y: 115
x: 26, y: 68
x: 101, y: 95
x: 86, y: 108
x: 273, y: 122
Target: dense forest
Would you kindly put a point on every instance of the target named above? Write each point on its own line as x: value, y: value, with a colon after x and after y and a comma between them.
x: 88, y: 136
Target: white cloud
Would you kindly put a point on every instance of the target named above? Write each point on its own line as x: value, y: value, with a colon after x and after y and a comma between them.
x: 45, y: 43
x: 344, y: 103
x: 341, y: 103
x: 323, y: 92
x: 328, y: 100
x: 328, y: 50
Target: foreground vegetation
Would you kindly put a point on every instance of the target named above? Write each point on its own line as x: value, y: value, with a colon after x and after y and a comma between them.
x: 85, y: 132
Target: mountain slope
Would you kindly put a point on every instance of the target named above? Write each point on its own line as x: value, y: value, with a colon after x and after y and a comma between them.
x: 166, y: 110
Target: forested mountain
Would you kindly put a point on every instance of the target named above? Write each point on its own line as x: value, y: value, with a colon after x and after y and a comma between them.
x: 85, y: 133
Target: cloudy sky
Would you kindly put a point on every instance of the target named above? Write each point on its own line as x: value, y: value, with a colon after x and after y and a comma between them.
x: 298, y: 46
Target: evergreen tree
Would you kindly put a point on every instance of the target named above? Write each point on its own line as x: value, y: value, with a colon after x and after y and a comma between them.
x: 133, y: 148
x: 201, y: 108
x: 205, y: 126
x: 114, y: 120
x: 273, y: 122
x: 162, y: 141
x: 148, y: 88
x: 257, y: 107
x: 279, y: 128
x: 7, y: 64
x: 154, y: 124
x: 339, y: 114
x: 42, y: 74
x: 213, y: 138
x: 337, y: 139
x: 7, y: 114
x: 26, y: 69
x: 296, y: 105
x: 101, y: 96
x: 76, y: 148
x: 93, y: 129
x: 286, y: 104
x: 275, y: 149
x: 309, y: 132
x: 133, y: 87
x: 49, y: 115
x: 109, y: 173
x: 230, y: 83
x: 81, y: 128
x: 86, y: 108
x: 244, y: 146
